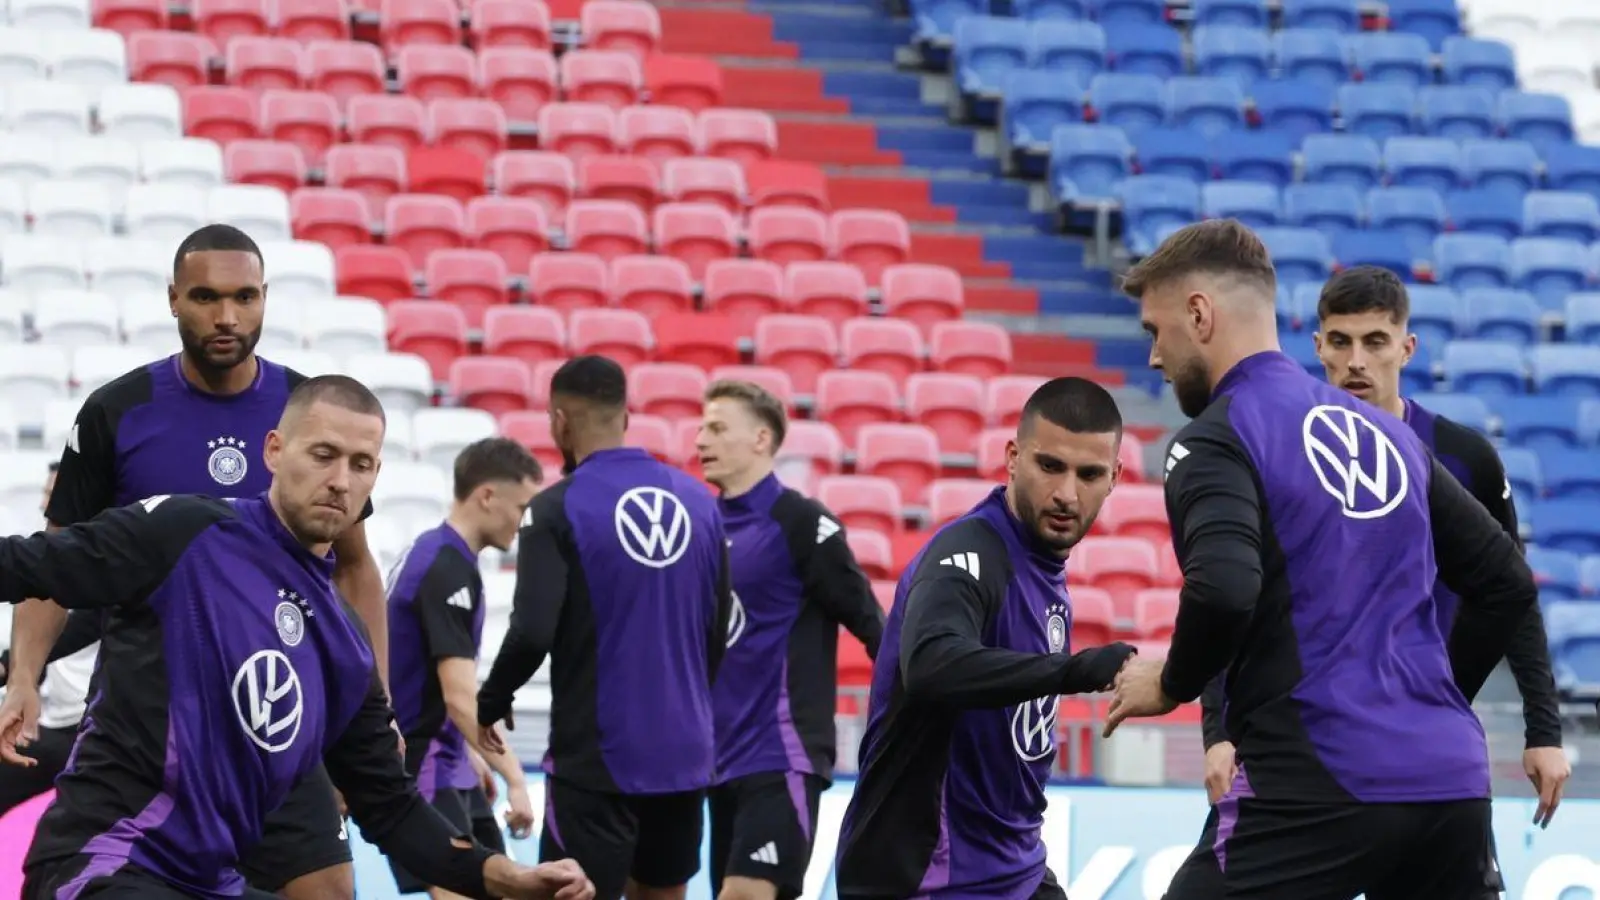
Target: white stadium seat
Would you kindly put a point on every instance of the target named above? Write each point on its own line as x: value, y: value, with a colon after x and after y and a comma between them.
x: 1505, y: 20
x: 14, y: 309
x: 93, y: 367
x: 148, y: 325
x: 415, y: 494
x: 62, y: 14
x: 141, y: 112
x: 76, y: 318
x: 283, y: 327
x: 386, y: 538
x: 345, y: 326
x: 402, y: 381
x: 190, y: 161
x: 71, y: 210
x: 399, y: 439
x: 27, y: 158
x: 259, y: 210
x: 22, y: 484
x: 113, y: 162
x: 30, y: 262
x: 309, y: 363
x: 31, y: 375
x: 168, y: 212
x: 440, y: 434
x: 47, y: 109
x: 58, y: 418
x: 295, y: 268
x: 9, y: 432
x: 93, y: 58
x: 135, y: 270
x: 1556, y: 65
x: 13, y: 207
x: 23, y: 56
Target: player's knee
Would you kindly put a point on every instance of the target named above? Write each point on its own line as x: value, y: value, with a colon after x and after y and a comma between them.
x: 332, y: 883
x: 737, y: 888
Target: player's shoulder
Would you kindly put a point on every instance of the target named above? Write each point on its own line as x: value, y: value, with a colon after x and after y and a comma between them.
x: 1451, y: 438
x: 184, y: 513
x: 969, y: 546
x: 547, y: 505
x: 132, y: 388
x: 804, y: 518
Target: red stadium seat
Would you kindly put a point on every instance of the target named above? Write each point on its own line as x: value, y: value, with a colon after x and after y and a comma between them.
x: 607, y: 228
x: 510, y: 228
x: 628, y: 26
x: 874, y: 554
x: 494, y: 384
x: 224, y: 20
x: 532, y: 334
x: 691, y: 82
x: 450, y: 171
x: 657, y: 132
x: 576, y: 129
x: 332, y: 216
x: 1122, y: 567
x: 992, y: 453
x: 669, y: 390
x: 950, y: 498
x: 835, y: 291
x: 652, y: 285
x: 521, y: 24
x: 704, y: 181
x: 1168, y: 572
x: 923, y: 294
x: 270, y: 163
x: 696, y: 233
x: 599, y: 76
x: 685, y: 446
x: 264, y: 63
x: 744, y: 290
x: 419, y: 224
x: 788, y: 234
x: 970, y: 348
x: 569, y: 281
x: 345, y: 69
x: 1094, y: 617
x: 167, y: 57
x: 783, y: 183
x: 889, y: 346
x: 654, y: 434
x: 435, y: 331
x: 1137, y: 510
x: 531, y: 429
x: 905, y: 454
x: 815, y: 446
x: 803, y: 346
x: 742, y: 135
x: 1131, y: 454
x: 430, y: 72
x: 476, y: 126
x: 474, y: 280
x: 630, y: 179
x: 130, y: 17
x: 863, y: 502
x: 306, y: 118
x: 542, y: 373
x: 1155, y: 612
x: 368, y: 270
x: 774, y: 381
x: 221, y: 114
x: 549, y: 179
x: 375, y: 172
x: 520, y: 79
x: 952, y: 405
x: 621, y: 334
x: 399, y: 122
x: 1007, y: 395
x: 699, y: 339
x: 405, y: 22
x: 849, y: 400
x: 314, y: 20
x: 873, y: 239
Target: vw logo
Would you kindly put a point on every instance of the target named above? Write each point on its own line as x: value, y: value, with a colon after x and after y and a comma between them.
x: 652, y: 526
x: 268, y: 699
x: 1033, y: 728
x: 736, y: 621
x: 1356, y: 463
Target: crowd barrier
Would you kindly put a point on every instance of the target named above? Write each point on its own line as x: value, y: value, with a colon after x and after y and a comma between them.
x: 1104, y: 843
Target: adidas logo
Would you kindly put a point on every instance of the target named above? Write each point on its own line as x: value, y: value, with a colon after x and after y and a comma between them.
x: 461, y: 599
x: 1174, y: 456
x: 826, y: 528
x: 966, y: 562
x: 769, y: 852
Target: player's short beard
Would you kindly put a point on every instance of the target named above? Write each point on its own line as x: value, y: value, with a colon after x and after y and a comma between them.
x: 1191, y: 384
x: 194, y: 347
x: 1033, y: 518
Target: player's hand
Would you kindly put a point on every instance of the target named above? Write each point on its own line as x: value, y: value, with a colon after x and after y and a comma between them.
x: 520, y: 818
x: 489, y: 736
x: 1137, y: 693
x: 560, y: 880
x: 1548, y: 769
x: 19, y: 724
x: 344, y: 808
x: 1221, y: 767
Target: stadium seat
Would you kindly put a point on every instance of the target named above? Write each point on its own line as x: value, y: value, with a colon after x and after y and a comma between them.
x: 788, y: 234
x: 493, y: 384
x: 1568, y: 215
x: 1471, y: 260
x: 774, y: 381
x: 473, y: 280
x: 532, y: 430
x: 509, y: 24
x: 37, y: 263
x: 1087, y: 161
x: 170, y: 58
x: 1153, y: 205
x: 223, y: 21
x: 834, y: 291
x: 31, y: 376
x: 1136, y: 510
x: 622, y: 334
x: 954, y: 406
x: 891, y: 346
x: 983, y: 50
x: 399, y: 122
x: 547, y: 178
x: 428, y: 22
x: 1222, y: 51
x: 569, y: 281
x: 476, y: 126
x: 1583, y: 318
x: 906, y: 454
x: 108, y: 164
x: 1211, y: 106
x: 654, y: 435
x: 603, y: 77
x: 510, y: 228
x: 811, y: 449
x: 299, y: 268
x: 70, y: 210
x: 450, y: 171
x: 431, y: 331
x: 531, y: 334
x: 744, y: 290
x: 131, y: 268
x: 1478, y: 62
x: 274, y: 164
x: 577, y: 129
x: 1571, y: 473
x: 690, y: 82
x: 657, y: 133
x: 849, y: 400
x: 1350, y: 160
x: 76, y: 318
x: 264, y: 63
x: 130, y: 17
x: 652, y: 285
x: 966, y: 347
x: 951, y: 498
x: 1417, y: 212
x: 1565, y: 524
x: 717, y: 181
x: 521, y: 79
x: 414, y: 494
x: 742, y: 135
x: 1457, y: 112
x: 1433, y: 163
x: 1033, y: 104
x: 221, y: 114
x: 184, y: 161
x: 1342, y: 16
x: 441, y: 434
x: 332, y: 216
x: 1300, y: 255
x: 421, y: 224
x: 923, y: 294
x: 1549, y: 268
x: 344, y: 327
x: 305, y: 118
x: 382, y: 273
x: 803, y: 346
x: 345, y: 70
x: 1126, y: 101
x: 630, y: 179
x: 696, y: 233
x: 668, y: 390
x: 1392, y: 58
x: 429, y: 72
x: 1438, y: 315
x: 48, y: 109
x: 1007, y: 395
x: 1256, y: 156
x: 1487, y: 211
x: 606, y: 228
x: 1155, y: 613
x: 1122, y: 567
x: 1565, y: 370
x: 1503, y: 165
x: 1256, y: 204
x: 1540, y: 119
x: 1377, y: 110
x: 706, y: 340
x: 1484, y: 367
x: 314, y: 20
x: 1297, y: 106
x: 862, y: 502
x: 1510, y: 317
x: 626, y: 26
x: 1066, y: 48
x: 93, y: 368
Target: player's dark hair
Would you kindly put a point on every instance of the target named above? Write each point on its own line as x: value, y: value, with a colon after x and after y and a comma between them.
x: 495, y: 459
x: 592, y: 379
x: 338, y: 390
x: 1215, y: 247
x: 760, y: 401
x: 1365, y: 289
x: 1076, y: 404
x: 216, y: 237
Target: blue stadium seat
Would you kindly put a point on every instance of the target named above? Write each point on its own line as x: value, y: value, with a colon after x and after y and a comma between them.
x: 1540, y: 422
x: 1414, y: 211
x: 1455, y: 112
x: 1153, y: 204
x: 1071, y: 48
x: 1300, y: 254
x: 1378, y: 111
x: 1559, y: 573
x: 985, y: 49
x: 1434, y: 20
x: 1500, y: 314
x: 1343, y: 16
x: 1311, y: 55
x: 1129, y: 102
x: 1385, y: 249
x: 1567, y: 616
x: 1210, y: 106
x: 1303, y: 302
x: 1582, y: 318
x: 1347, y: 159
x: 1589, y: 575
x: 1522, y: 470
x: 1129, y: 12
x: 1033, y: 105
x: 1087, y: 161
x: 1465, y: 261
x: 934, y: 21
x: 1302, y: 349
x: 1224, y: 51
x: 1487, y: 368
x: 1500, y: 165
x: 1255, y: 156
x: 1330, y: 208
x: 1565, y: 370
x: 1298, y: 107
x: 1565, y: 524
x: 1417, y: 376
x: 1428, y: 162
x: 1486, y: 211
x: 1244, y: 13
x: 1569, y: 215
x: 1145, y: 50
x: 1588, y: 422
x: 1437, y: 315
x: 1571, y: 472
x: 1174, y: 152
x: 1479, y: 62
x: 1549, y: 268
x: 1572, y: 167
x: 1392, y: 58
x: 1051, y: 10
x: 1541, y: 119
x: 1256, y: 204
x: 1463, y: 409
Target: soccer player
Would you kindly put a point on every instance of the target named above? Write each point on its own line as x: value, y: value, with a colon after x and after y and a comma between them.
x: 435, y: 629
x: 229, y: 671
x: 1363, y: 343
x: 1311, y: 528
x: 960, y: 735
x: 195, y: 423
x: 622, y: 580
x: 795, y: 582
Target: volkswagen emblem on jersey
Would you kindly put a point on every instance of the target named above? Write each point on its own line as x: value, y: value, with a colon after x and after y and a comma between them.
x: 1056, y: 627
x: 736, y: 621
x: 1356, y: 463
x: 291, y: 622
x: 1033, y: 728
x: 269, y: 701
x: 652, y: 526
x: 227, y: 464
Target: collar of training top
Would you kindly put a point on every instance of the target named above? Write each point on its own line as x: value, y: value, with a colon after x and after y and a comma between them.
x: 1267, y: 362
x: 611, y: 454
x: 760, y: 497
x: 258, y: 511
x: 995, y: 508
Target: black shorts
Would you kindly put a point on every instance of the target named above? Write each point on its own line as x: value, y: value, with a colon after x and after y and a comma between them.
x: 1048, y: 889
x: 304, y: 835
x: 653, y: 839
x: 762, y: 826
x: 1254, y: 849
x: 486, y: 828
x: 456, y: 807
x: 129, y: 882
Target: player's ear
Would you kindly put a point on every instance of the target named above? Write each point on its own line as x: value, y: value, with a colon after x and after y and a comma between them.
x: 272, y: 450
x: 1012, y: 454
x: 1409, y: 348
x: 172, y: 299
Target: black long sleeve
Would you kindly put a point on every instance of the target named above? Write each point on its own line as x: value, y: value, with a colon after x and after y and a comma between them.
x: 834, y: 581
x: 542, y: 581
x: 721, y: 621
x: 1213, y: 727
